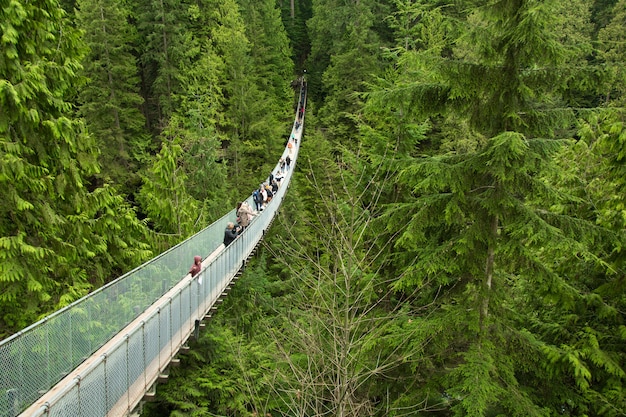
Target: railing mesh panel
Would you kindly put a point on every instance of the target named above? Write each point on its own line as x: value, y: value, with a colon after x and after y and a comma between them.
x: 91, y: 387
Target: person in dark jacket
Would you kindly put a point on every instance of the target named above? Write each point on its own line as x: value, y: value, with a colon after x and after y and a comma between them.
x: 230, y: 233
x: 197, y: 265
x: 258, y: 198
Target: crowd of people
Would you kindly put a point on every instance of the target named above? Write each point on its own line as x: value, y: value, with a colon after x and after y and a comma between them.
x: 261, y: 196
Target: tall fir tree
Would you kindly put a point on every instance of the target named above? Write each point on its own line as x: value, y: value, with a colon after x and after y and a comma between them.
x: 612, y: 53
x: 346, y: 48
x: 270, y: 51
x: 165, y: 43
x: 295, y: 15
x: 252, y: 115
x: 164, y: 195
x: 110, y: 101
x: 200, y: 113
x: 479, y: 229
x: 59, y: 239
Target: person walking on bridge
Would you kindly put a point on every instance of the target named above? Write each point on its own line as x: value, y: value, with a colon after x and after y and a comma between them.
x: 231, y: 233
x: 197, y: 265
x: 245, y: 214
x: 258, y: 198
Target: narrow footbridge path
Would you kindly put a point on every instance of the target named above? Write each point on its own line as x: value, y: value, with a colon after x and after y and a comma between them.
x: 103, y: 354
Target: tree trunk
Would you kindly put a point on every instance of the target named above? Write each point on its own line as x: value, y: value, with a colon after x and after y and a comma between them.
x: 489, y: 267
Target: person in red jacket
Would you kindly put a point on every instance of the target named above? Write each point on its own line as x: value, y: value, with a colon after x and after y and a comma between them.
x: 197, y: 265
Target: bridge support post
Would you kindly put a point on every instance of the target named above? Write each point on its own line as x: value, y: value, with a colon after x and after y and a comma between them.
x: 196, y: 329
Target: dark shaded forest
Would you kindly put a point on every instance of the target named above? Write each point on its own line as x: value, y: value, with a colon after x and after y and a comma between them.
x: 450, y: 246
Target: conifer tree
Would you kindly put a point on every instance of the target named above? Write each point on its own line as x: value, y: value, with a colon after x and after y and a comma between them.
x: 345, y: 53
x: 586, y: 173
x: 59, y: 239
x: 252, y: 115
x: 270, y: 51
x: 165, y: 43
x: 612, y: 52
x: 479, y: 230
x: 110, y: 99
x: 200, y: 114
x: 295, y: 15
x: 164, y: 196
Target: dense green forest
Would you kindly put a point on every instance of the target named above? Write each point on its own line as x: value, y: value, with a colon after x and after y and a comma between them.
x: 451, y: 244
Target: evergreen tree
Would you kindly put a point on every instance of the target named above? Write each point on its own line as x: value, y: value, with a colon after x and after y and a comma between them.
x: 110, y: 100
x: 270, y: 51
x: 252, y: 114
x: 345, y: 53
x: 586, y: 173
x: 164, y: 195
x: 59, y: 239
x: 164, y: 47
x: 294, y: 16
x: 200, y: 113
x: 612, y: 52
x: 480, y: 231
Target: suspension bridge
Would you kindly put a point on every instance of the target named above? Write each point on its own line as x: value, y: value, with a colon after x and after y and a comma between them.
x: 103, y: 355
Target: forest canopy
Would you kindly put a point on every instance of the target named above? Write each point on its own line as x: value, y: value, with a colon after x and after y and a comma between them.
x: 452, y: 242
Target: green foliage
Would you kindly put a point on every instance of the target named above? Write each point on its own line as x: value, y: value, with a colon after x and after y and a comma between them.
x: 198, y: 117
x: 297, y: 29
x: 269, y: 50
x: 164, y: 195
x: 58, y: 235
x: 110, y: 99
x: 453, y: 253
x: 252, y: 44
x: 345, y: 53
x: 612, y: 53
x: 165, y: 48
x: 488, y: 226
x: 450, y: 249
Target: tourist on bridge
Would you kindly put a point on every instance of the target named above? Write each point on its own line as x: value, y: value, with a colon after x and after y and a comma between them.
x: 231, y: 233
x: 288, y: 161
x: 197, y: 265
x: 258, y: 198
x: 269, y: 193
x: 263, y: 192
x: 244, y: 214
x: 279, y: 178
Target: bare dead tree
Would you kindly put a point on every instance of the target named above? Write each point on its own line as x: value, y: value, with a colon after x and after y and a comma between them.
x: 330, y: 345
